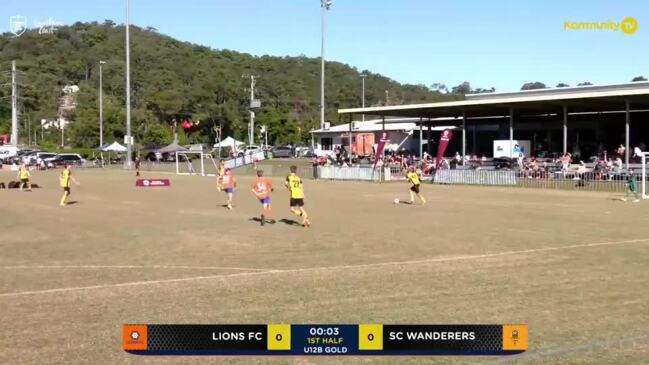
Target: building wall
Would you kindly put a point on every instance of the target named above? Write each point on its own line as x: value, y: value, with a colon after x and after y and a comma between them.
x: 336, y: 140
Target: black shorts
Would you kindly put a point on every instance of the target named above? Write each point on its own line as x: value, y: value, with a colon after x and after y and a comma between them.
x: 415, y: 188
x: 67, y: 189
x: 24, y: 181
x: 296, y: 202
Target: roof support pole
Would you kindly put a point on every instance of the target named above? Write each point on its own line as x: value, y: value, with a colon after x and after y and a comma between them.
x: 565, y: 129
x: 428, y: 146
x: 421, y: 139
x: 463, y: 137
x: 627, y: 123
x: 351, y: 121
x: 511, y: 132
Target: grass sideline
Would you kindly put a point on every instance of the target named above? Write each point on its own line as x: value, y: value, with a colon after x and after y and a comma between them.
x: 570, y: 264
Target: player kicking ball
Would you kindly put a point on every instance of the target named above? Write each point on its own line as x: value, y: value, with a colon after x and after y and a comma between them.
x: 262, y: 189
x: 632, y: 187
x: 64, y: 179
x: 228, y: 183
x: 294, y: 185
x: 25, y: 177
x: 413, y: 178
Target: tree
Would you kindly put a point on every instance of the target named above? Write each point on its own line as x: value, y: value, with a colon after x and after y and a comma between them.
x: 462, y: 89
x: 482, y: 91
x: 586, y: 83
x: 561, y: 84
x: 178, y: 80
x: 440, y: 87
x: 533, y: 85
x: 639, y: 78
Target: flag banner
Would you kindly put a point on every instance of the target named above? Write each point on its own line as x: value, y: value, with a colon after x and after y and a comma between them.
x: 443, y: 143
x: 325, y: 339
x: 152, y: 183
x: 379, y: 149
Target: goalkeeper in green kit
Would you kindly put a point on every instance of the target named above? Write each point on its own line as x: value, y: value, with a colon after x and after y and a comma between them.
x: 632, y: 187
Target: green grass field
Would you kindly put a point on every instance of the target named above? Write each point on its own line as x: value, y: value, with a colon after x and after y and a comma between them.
x: 572, y: 265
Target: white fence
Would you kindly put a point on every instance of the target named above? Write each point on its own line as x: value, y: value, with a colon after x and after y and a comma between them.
x: 245, y: 160
x: 354, y: 173
x: 475, y: 177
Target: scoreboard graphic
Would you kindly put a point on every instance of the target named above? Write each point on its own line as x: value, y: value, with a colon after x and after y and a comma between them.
x: 325, y: 339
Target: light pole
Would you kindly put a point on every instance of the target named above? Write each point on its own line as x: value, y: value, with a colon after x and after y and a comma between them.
x: 363, y: 76
x: 101, y: 106
x: 129, y: 151
x: 324, y: 6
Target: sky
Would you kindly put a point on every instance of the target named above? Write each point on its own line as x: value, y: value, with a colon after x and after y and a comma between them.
x: 498, y: 43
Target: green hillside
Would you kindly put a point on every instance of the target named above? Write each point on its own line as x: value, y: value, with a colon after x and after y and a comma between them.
x: 175, y: 80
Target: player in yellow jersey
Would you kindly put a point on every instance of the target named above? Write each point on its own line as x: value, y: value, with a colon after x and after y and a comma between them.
x: 64, y: 179
x: 25, y: 177
x: 413, y: 178
x: 294, y: 185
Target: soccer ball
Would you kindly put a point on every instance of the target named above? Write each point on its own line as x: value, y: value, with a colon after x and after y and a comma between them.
x: 396, y: 200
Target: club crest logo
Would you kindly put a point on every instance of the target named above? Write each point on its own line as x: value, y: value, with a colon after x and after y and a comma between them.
x: 18, y: 25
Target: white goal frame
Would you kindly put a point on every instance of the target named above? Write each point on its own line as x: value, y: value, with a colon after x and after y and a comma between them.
x: 203, y: 156
x: 644, y: 175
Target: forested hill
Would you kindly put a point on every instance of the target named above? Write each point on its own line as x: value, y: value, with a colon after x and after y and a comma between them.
x: 171, y: 79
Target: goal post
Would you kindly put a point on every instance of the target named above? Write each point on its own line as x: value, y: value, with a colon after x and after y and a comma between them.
x: 195, y: 163
x: 644, y: 175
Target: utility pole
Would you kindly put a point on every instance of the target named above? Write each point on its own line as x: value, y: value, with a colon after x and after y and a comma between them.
x: 129, y: 151
x: 324, y: 6
x: 251, y: 139
x: 14, y: 107
x: 363, y: 76
x: 101, y: 106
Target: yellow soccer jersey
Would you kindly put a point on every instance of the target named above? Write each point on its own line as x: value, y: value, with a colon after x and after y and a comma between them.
x: 295, y: 185
x: 24, y: 173
x: 65, y: 178
x: 413, y: 178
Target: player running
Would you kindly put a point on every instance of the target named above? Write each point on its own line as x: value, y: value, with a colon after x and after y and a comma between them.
x: 262, y: 189
x: 228, y: 183
x: 64, y: 179
x: 25, y: 177
x: 413, y: 178
x: 294, y: 185
x: 632, y: 187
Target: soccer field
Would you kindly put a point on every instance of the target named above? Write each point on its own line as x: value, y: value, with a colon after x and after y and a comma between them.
x: 572, y: 265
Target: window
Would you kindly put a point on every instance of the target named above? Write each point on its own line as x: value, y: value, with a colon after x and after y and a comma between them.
x: 327, y: 143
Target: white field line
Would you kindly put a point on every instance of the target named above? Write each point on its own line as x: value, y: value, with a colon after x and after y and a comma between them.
x: 324, y: 268
x: 170, y: 267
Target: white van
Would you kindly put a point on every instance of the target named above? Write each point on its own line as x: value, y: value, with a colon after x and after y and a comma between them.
x: 8, y: 151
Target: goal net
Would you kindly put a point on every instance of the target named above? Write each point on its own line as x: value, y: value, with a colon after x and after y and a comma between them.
x: 195, y: 163
x: 644, y: 189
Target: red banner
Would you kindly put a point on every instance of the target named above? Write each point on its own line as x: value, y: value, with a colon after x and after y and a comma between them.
x: 152, y: 183
x: 380, y: 147
x: 443, y: 143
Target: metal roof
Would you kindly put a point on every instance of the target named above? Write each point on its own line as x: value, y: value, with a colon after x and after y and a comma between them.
x: 577, y: 99
x: 391, y: 124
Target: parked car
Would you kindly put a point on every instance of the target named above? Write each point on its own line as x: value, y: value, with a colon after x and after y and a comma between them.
x: 17, y: 157
x: 65, y: 158
x: 248, y: 150
x: 282, y: 152
x: 34, y: 156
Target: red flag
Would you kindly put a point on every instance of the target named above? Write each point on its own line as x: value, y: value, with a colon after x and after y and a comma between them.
x: 443, y: 143
x: 379, y: 148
